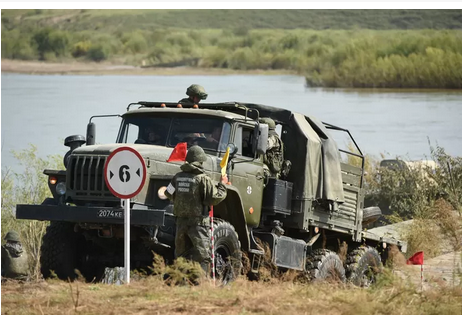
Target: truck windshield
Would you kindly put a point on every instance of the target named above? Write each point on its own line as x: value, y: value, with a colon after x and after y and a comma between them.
x: 209, y: 133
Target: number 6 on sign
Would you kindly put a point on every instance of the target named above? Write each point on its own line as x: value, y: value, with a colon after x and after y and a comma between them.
x: 125, y: 172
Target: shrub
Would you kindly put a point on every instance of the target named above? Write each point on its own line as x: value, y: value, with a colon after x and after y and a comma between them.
x: 430, y: 196
x: 29, y: 187
x: 81, y: 48
x: 98, y: 52
x: 214, y: 58
x: 49, y: 40
x: 134, y: 43
x: 16, y: 45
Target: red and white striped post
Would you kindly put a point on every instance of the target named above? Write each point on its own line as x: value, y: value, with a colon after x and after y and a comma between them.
x: 212, y: 241
x: 421, y: 277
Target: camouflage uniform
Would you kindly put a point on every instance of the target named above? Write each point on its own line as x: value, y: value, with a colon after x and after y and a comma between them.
x: 15, y: 262
x: 273, y: 157
x: 191, y: 91
x: 192, y: 192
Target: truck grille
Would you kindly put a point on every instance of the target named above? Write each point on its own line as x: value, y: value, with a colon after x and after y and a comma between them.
x: 86, y: 176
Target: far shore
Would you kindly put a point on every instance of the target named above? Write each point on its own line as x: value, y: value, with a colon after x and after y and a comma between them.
x: 105, y: 68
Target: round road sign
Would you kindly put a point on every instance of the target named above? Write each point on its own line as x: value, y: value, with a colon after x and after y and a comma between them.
x: 125, y: 172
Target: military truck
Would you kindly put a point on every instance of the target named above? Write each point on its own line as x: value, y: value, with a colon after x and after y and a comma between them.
x: 302, y: 218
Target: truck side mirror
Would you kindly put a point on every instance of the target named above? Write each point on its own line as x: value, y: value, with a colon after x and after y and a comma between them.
x: 232, y: 150
x: 262, y: 138
x: 91, y: 133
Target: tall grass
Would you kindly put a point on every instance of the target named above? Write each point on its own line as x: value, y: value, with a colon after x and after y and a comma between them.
x: 152, y: 295
x: 29, y: 187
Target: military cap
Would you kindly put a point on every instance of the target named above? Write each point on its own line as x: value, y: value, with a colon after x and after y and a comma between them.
x: 196, y: 154
x: 266, y: 120
x: 12, y: 236
x: 196, y: 89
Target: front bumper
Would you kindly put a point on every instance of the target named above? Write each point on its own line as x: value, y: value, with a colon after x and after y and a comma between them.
x: 82, y: 214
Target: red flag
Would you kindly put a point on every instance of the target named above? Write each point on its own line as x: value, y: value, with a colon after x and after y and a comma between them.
x: 416, y: 259
x: 211, y: 212
x: 179, y: 152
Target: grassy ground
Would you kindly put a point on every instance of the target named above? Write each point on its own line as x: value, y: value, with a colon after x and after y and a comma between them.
x: 109, y: 20
x: 153, y: 296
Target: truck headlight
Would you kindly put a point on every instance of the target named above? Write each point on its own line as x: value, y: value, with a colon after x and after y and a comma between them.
x: 61, y: 188
x: 161, y: 193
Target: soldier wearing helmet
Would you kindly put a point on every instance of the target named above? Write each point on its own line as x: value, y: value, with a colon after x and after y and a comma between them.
x: 196, y: 93
x: 193, y: 192
x: 15, y: 262
x: 273, y: 158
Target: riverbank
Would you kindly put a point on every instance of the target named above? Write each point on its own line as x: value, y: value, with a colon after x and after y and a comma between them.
x: 105, y: 68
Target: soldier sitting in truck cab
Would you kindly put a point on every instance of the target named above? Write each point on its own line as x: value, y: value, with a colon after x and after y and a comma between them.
x: 151, y: 136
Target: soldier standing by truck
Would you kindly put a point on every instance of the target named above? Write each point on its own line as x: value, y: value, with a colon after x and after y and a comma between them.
x: 193, y: 192
x: 15, y: 264
x: 273, y: 157
x: 195, y: 93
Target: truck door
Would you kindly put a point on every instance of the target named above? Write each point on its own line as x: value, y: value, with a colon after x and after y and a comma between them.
x: 246, y: 174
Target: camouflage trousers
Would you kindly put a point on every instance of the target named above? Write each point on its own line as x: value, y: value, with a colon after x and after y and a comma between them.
x: 192, y: 239
x: 267, y: 173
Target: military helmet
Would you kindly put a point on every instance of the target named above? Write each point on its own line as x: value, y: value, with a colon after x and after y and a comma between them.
x: 12, y: 236
x: 271, y: 124
x: 196, y: 89
x: 196, y: 154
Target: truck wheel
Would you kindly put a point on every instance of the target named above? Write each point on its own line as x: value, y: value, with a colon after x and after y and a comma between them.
x: 323, y: 264
x: 228, y: 253
x: 363, y: 264
x: 58, y: 251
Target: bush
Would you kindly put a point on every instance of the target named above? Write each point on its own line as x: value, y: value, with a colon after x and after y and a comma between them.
x: 16, y: 45
x: 98, y: 52
x: 29, y: 187
x: 134, y: 43
x: 49, y: 40
x: 81, y: 48
x: 431, y: 197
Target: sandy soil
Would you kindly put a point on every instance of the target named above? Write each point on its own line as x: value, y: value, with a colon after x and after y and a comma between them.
x: 39, y: 67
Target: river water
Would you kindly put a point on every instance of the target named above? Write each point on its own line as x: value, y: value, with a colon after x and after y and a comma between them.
x: 44, y: 109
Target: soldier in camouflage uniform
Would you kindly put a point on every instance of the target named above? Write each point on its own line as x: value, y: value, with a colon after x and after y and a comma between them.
x: 273, y: 158
x: 192, y: 193
x: 15, y: 262
x: 196, y: 93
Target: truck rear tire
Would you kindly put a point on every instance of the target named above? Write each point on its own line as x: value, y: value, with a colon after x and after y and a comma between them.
x: 58, y: 251
x: 363, y: 265
x: 228, y: 255
x: 323, y: 264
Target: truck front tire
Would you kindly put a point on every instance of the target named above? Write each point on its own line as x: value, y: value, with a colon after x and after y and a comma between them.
x: 58, y: 251
x: 228, y: 253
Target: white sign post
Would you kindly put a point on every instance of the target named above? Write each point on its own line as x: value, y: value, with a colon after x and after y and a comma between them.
x: 125, y: 175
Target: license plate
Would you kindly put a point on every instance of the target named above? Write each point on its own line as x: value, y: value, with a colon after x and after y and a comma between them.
x: 106, y: 213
